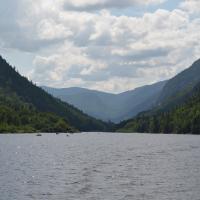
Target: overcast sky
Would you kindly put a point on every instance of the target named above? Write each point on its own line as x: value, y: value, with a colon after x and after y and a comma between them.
x: 109, y: 45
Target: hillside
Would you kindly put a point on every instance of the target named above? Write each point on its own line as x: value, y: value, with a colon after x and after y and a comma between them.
x: 183, y: 119
x: 177, y: 89
x: 12, y: 83
x: 18, y: 116
x: 179, y: 108
x: 107, y: 106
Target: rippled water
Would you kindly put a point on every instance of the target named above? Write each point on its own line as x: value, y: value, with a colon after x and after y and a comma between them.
x: 92, y: 166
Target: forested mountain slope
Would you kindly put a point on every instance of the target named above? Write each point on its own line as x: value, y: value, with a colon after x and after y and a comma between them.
x: 12, y: 83
x: 179, y: 108
x: 18, y: 116
x: 177, y: 88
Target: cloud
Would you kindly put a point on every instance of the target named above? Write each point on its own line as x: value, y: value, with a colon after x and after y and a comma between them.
x: 98, y: 49
x: 104, y: 47
x: 27, y: 25
x: 191, y: 6
x: 88, y: 5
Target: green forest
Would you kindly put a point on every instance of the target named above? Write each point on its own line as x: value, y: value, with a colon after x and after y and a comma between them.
x: 184, y: 119
x: 24, y: 107
x: 17, y: 116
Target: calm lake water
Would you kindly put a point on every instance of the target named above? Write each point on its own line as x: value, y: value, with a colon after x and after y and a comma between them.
x: 104, y: 166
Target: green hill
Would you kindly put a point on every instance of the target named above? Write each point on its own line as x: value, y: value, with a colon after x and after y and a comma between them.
x: 177, y: 90
x: 18, y: 116
x: 23, y: 99
x: 178, y: 110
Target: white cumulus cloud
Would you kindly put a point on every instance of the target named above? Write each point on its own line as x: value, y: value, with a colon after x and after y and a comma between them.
x: 100, y: 50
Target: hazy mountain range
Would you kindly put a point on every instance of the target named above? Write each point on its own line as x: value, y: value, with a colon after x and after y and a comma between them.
x: 108, y: 106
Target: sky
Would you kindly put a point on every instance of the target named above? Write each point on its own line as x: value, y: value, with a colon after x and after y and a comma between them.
x: 107, y: 45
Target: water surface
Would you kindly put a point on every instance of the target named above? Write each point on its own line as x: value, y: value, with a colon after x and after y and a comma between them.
x: 100, y: 166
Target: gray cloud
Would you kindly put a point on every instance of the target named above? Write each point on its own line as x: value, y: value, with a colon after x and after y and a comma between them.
x: 146, y: 54
x: 86, y: 5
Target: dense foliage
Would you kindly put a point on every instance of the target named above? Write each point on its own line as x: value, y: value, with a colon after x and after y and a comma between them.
x: 31, y: 103
x: 17, y: 116
x: 185, y: 118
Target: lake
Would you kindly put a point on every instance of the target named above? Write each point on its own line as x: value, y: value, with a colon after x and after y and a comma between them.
x: 100, y: 166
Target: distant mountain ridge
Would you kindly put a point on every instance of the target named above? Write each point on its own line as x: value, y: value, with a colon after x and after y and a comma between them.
x: 108, y: 106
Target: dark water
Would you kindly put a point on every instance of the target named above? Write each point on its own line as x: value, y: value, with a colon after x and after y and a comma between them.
x: 100, y: 167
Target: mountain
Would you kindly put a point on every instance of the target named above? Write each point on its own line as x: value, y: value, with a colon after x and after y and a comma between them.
x: 18, y: 116
x: 107, y: 106
x: 176, y: 89
x: 18, y: 92
x: 178, y: 107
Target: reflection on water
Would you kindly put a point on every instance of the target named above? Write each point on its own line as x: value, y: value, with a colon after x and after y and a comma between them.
x: 92, y: 166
